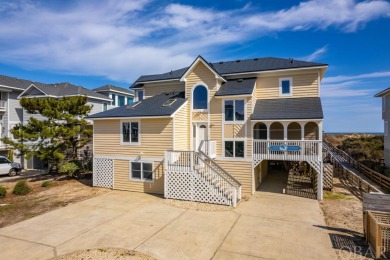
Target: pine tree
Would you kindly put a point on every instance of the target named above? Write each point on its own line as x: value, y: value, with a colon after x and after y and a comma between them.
x: 61, y: 133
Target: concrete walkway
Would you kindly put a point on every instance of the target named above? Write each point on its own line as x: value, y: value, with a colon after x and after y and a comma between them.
x: 268, y: 226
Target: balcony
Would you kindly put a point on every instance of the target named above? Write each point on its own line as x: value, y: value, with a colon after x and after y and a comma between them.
x: 3, y: 106
x: 287, y: 150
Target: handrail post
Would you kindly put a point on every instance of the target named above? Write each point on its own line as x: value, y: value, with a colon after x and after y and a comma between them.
x: 192, y: 155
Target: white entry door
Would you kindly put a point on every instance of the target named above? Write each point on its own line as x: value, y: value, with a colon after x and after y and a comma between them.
x: 200, y: 134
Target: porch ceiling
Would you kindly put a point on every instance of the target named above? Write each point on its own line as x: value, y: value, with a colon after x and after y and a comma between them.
x: 288, y: 108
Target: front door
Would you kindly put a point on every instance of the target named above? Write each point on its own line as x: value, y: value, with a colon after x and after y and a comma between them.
x: 200, y: 134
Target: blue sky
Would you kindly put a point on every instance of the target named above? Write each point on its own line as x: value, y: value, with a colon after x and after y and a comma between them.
x: 92, y: 43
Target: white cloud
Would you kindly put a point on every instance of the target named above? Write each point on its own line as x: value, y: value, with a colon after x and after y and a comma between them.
x: 341, y: 78
x: 316, y: 54
x: 345, y: 89
x: 121, y: 39
x: 346, y: 14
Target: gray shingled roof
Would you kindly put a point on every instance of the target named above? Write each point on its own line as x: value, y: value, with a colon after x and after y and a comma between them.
x: 239, y: 66
x: 112, y: 88
x: 383, y: 92
x: 237, y: 87
x: 152, y: 106
x: 67, y: 89
x: 288, y: 108
x: 14, y: 82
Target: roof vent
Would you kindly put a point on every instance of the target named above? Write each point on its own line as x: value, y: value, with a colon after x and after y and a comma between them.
x: 170, y: 72
x: 237, y: 60
x: 169, y: 102
x: 221, y: 62
x: 291, y: 60
x: 240, y: 80
x: 256, y: 59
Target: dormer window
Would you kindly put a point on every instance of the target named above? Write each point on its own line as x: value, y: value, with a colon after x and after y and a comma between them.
x: 200, y: 98
x: 139, y: 95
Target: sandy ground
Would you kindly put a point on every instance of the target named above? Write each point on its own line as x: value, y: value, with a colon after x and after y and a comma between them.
x: 40, y: 200
x: 344, y: 216
x: 105, y: 254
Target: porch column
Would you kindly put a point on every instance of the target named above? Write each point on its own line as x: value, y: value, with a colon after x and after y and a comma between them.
x: 302, y: 130
x: 319, y: 182
x: 268, y: 130
x: 285, y: 125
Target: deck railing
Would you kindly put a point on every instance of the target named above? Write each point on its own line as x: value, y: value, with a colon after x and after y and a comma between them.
x: 179, y: 161
x: 300, y: 150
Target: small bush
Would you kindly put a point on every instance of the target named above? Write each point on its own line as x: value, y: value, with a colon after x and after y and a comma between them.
x: 3, y: 192
x: 379, y: 168
x: 47, y: 183
x: 21, y: 188
x: 70, y: 168
x: 387, y: 172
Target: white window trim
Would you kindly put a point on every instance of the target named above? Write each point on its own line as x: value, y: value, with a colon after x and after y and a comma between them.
x: 234, y: 122
x: 234, y: 148
x: 280, y: 87
x: 142, y: 171
x: 136, y: 94
x: 139, y: 132
x: 386, y: 130
x: 192, y: 98
x: 105, y: 103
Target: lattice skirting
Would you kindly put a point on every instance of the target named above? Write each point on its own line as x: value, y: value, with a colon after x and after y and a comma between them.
x: 103, y: 172
x: 189, y: 186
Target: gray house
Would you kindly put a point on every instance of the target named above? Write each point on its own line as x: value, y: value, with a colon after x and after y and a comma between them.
x: 11, y: 112
x: 119, y: 96
x: 385, y: 95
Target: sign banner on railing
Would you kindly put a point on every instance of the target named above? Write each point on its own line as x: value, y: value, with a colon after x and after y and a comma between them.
x: 285, y: 148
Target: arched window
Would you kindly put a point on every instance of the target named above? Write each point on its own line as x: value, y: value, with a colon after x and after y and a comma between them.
x: 199, y: 97
x: 311, y: 131
x: 260, y: 131
x: 276, y: 131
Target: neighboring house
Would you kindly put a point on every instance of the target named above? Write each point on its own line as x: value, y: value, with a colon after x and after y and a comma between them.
x: 11, y: 113
x: 385, y: 95
x: 207, y: 132
x: 119, y: 96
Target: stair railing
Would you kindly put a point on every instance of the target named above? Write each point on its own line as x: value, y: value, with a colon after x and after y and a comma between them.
x: 219, y: 169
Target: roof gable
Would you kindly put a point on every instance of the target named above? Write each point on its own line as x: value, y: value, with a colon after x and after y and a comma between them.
x: 198, y: 60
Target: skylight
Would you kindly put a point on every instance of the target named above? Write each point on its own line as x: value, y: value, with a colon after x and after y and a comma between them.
x: 133, y: 105
x: 169, y: 102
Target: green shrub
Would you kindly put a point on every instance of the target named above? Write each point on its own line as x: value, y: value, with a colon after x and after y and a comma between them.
x: 89, y: 166
x: 379, y: 168
x: 3, y: 192
x: 11, y: 155
x: 70, y: 168
x: 47, y: 183
x: 21, y: 188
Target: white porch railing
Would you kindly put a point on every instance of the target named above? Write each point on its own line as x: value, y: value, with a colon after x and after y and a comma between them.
x: 209, y: 148
x: 179, y: 161
x: 3, y: 105
x: 289, y: 150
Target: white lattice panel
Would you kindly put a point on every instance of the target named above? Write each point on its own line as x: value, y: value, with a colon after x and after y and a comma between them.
x: 189, y: 186
x: 103, y: 172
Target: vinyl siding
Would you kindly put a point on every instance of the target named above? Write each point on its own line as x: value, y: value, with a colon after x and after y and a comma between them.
x: 97, y: 106
x: 234, y: 131
x: 153, y: 89
x: 241, y: 170
x: 122, y: 178
x: 155, y: 137
x: 182, y: 130
x: 304, y: 85
x: 15, y: 109
x: 200, y: 116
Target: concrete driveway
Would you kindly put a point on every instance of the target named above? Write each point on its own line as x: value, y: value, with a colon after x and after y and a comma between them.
x: 269, y: 226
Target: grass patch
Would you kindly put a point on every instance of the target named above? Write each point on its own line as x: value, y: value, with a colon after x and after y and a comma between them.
x: 47, y: 184
x: 5, y: 208
x: 328, y: 195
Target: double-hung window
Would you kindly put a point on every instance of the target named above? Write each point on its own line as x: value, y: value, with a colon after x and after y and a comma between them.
x: 234, y: 110
x: 105, y: 106
x: 235, y: 149
x: 113, y: 96
x: 130, y: 132
x: 285, y: 87
x: 121, y: 100
x: 142, y: 171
